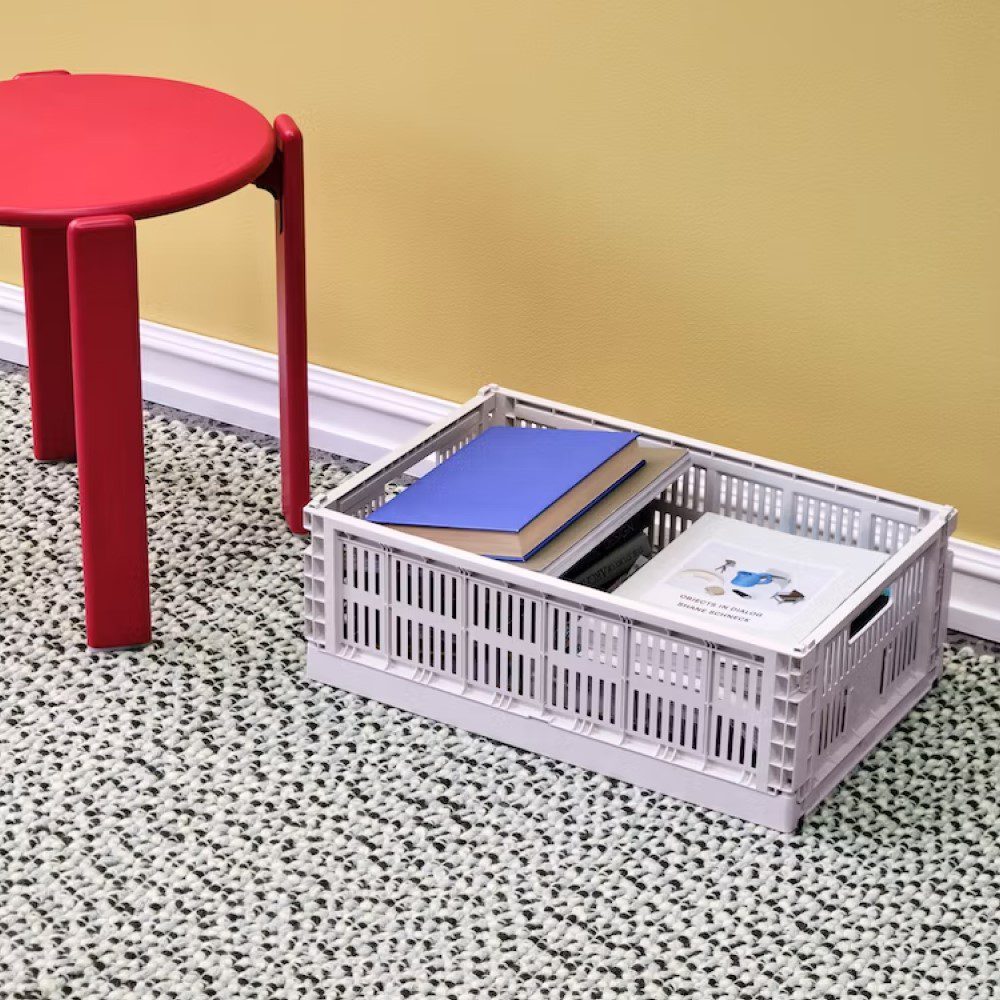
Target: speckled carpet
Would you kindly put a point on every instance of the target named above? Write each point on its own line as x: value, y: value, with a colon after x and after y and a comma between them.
x: 196, y: 820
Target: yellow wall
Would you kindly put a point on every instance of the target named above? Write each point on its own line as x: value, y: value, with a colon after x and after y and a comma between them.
x: 774, y: 225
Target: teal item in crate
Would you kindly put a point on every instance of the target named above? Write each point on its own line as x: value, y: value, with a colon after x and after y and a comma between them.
x: 744, y: 578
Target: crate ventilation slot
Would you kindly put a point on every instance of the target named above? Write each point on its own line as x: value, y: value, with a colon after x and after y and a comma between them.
x: 870, y: 613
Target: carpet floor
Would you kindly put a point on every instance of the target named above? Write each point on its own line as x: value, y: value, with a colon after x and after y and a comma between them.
x: 197, y: 820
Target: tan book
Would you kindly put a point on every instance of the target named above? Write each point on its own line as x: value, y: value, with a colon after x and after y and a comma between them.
x: 659, y: 463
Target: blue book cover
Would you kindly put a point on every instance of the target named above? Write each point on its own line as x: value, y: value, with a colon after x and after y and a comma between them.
x: 503, y: 479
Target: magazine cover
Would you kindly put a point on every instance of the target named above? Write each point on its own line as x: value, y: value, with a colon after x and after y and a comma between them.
x: 753, y: 577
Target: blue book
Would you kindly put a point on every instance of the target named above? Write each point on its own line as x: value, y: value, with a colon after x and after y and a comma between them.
x: 512, y: 489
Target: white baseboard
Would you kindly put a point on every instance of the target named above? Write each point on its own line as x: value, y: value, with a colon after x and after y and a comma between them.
x: 349, y: 416
x: 358, y: 418
x: 975, y: 590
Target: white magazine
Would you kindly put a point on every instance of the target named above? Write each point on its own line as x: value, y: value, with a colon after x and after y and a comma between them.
x: 766, y: 581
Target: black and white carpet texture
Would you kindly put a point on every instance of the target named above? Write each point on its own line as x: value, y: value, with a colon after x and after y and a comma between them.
x: 197, y: 820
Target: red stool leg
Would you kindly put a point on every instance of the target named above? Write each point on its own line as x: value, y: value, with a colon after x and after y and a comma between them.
x: 50, y: 370
x: 284, y: 178
x: 104, y: 314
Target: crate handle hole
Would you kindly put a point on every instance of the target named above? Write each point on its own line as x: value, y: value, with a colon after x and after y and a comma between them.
x: 870, y: 613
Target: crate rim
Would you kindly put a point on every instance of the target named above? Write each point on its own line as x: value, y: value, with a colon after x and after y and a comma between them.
x: 696, y: 445
x: 938, y: 517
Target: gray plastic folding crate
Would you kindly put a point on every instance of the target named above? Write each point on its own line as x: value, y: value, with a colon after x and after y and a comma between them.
x: 755, y: 729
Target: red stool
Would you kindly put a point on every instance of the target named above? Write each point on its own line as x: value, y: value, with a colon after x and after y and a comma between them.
x: 83, y: 158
